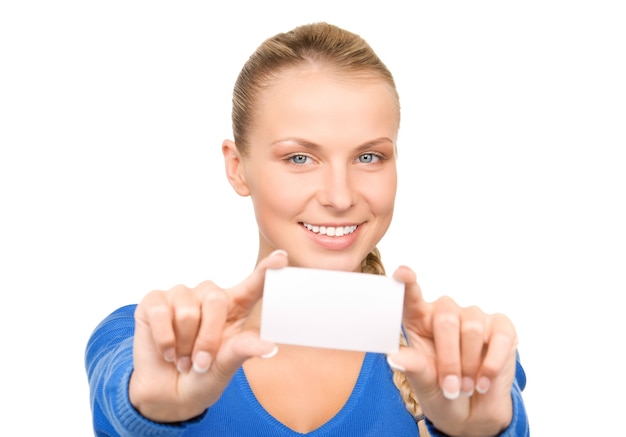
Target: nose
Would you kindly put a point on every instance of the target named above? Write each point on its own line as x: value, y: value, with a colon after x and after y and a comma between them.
x: 337, y: 190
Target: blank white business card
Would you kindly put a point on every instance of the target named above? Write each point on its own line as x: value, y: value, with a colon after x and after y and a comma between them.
x: 332, y: 309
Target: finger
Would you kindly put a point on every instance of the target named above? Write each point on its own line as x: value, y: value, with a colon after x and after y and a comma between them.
x: 245, y: 295
x: 446, y: 333
x: 501, y: 347
x: 416, y: 309
x: 238, y: 349
x: 186, y: 323
x: 214, y: 312
x: 229, y: 358
x: 154, y: 314
x: 472, y: 347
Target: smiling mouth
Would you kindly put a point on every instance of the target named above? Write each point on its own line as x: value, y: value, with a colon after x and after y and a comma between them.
x: 331, y: 231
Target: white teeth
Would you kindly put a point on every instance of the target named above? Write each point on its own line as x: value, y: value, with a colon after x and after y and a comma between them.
x: 331, y: 231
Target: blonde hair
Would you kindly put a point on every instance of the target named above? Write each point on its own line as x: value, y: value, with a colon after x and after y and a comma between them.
x: 373, y: 264
x: 315, y: 45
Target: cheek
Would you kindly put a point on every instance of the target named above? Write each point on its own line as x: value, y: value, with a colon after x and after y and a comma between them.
x: 381, y: 193
x: 277, y: 194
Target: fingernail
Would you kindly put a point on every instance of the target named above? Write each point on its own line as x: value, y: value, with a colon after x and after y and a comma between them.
x: 202, y: 362
x: 271, y: 353
x: 169, y: 355
x: 395, y: 366
x: 278, y: 251
x: 483, y: 384
x: 467, y: 386
x: 183, y: 364
x: 451, y: 387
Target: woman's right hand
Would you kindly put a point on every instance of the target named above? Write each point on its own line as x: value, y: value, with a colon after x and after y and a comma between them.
x: 189, y: 342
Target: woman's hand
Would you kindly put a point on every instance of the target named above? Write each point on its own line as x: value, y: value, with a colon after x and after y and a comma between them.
x: 189, y: 342
x: 460, y: 362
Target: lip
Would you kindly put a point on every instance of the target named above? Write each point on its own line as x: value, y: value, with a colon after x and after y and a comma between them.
x: 333, y: 242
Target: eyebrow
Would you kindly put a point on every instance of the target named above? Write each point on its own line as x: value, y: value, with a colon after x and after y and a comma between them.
x: 315, y: 147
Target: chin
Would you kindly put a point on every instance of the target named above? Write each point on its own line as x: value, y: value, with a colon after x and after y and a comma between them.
x: 330, y: 263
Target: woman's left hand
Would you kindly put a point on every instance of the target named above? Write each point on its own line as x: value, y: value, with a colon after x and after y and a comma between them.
x: 460, y: 362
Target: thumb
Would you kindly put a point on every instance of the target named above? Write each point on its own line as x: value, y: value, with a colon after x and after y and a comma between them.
x: 250, y: 290
x: 418, y: 369
x: 238, y: 349
x: 205, y: 388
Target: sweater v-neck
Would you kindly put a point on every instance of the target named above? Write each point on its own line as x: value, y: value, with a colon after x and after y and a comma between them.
x: 364, y: 374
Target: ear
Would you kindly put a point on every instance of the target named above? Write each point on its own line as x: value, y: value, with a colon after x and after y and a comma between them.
x: 234, y: 168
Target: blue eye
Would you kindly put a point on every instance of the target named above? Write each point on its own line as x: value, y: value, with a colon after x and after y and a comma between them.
x: 368, y: 158
x: 299, y: 159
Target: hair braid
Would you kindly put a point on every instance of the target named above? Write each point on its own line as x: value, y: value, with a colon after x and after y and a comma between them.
x: 373, y: 264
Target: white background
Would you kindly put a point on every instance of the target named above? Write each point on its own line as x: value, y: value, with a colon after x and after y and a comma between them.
x: 511, y: 178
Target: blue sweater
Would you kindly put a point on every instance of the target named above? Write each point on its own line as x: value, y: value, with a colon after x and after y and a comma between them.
x: 374, y: 408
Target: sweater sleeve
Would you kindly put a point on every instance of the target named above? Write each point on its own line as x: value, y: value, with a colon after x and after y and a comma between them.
x: 519, y: 426
x: 109, y: 364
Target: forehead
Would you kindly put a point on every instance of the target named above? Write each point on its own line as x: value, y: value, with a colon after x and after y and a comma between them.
x: 309, y: 88
x: 325, y: 107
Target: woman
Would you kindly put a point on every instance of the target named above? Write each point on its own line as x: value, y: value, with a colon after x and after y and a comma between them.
x: 315, y: 120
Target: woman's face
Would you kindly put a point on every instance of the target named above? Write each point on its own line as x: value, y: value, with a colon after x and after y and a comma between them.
x: 321, y: 167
